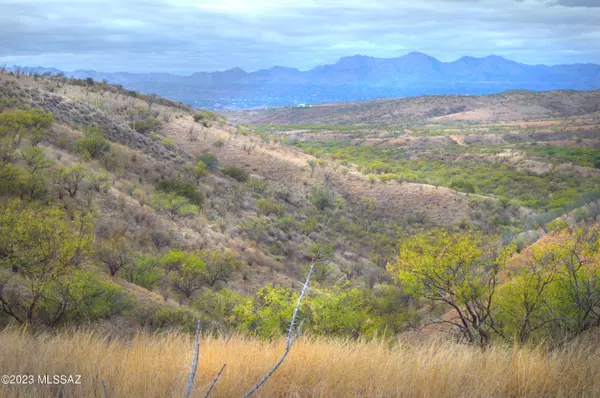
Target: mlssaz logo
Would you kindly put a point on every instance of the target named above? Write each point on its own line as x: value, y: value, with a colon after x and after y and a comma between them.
x: 59, y: 379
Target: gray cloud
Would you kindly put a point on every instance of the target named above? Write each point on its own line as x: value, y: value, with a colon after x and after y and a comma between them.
x: 189, y: 35
x: 578, y: 3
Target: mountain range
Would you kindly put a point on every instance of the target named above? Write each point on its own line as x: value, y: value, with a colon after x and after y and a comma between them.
x: 354, y: 78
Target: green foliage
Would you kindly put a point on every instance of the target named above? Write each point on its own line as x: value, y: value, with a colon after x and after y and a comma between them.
x: 35, y: 159
x: 257, y: 186
x: 11, y: 179
x: 16, y: 124
x: 268, y: 314
x: 93, y: 143
x: 168, y: 143
x: 81, y: 297
x: 557, y: 225
x: 551, y: 191
x: 268, y: 206
x: 343, y: 311
x: 210, y: 161
x: 72, y: 178
x: 236, y: 173
x: 462, y: 186
x: 175, y: 205
x: 197, y: 171
x: 256, y: 228
x: 45, y: 251
x: 185, y: 271
x: 144, y: 271
x: 204, y: 116
x: 218, y: 306
x: 219, y: 266
x: 322, y: 198
x: 554, y: 291
x: 581, y: 214
x: 182, y: 188
x: 459, y: 270
x: 147, y: 126
x: 115, y: 253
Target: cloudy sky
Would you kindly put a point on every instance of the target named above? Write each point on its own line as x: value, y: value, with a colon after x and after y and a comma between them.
x: 185, y: 36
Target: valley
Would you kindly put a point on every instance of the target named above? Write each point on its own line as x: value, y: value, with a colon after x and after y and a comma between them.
x: 421, y: 224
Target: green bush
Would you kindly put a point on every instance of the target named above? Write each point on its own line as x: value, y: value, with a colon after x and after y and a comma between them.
x: 268, y: 206
x: 257, y: 186
x: 174, y: 204
x: 462, y: 186
x: 182, y: 188
x: 144, y: 271
x: 147, y: 126
x: 322, y: 198
x: 93, y: 143
x: 236, y: 173
x: 209, y: 160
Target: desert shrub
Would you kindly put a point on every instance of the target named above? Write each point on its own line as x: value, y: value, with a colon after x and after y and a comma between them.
x: 556, y: 225
x: 35, y: 159
x: 115, y: 253
x: 256, y: 228
x: 218, y: 306
x: 36, y: 187
x: 144, y: 271
x: 47, y: 252
x: 204, y: 116
x: 71, y: 178
x: 175, y: 205
x: 16, y: 124
x: 168, y: 143
x: 209, y: 160
x: 268, y: 314
x: 167, y: 318
x: 581, y: 214
x: 236, y: 173
x: 100, y: 182
x: 147, y: 126
x: 268, y: 206
x: 388, y: 177
x: 219, y: 266
x: 93, y: 143
x: 342, y: 312
x: 322, y: 198
x: 463, y: 186
x: 160, y: 238
x: 197, y: 171
x: 287, y: 224
x: 186, y: 272
x: 182, y: 188
x: 417, y: 217
x: 82, y: 297
x: 11, y: 179
x: 257, y: 186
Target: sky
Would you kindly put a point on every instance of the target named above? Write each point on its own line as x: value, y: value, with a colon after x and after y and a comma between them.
x: 186, y: 36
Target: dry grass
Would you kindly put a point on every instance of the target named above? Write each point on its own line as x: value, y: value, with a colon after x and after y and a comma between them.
x: 157, y: 366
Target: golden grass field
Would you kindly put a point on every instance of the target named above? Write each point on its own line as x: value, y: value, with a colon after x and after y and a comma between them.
x: 157, y: 366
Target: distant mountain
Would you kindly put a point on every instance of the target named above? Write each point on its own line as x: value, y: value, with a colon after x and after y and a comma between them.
x: 355, y: 78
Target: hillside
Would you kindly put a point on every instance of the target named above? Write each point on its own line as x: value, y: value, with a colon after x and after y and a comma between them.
x: 125, y: 218
x: 510, y: 106
x: 284, y: 207
x: 352, y: 78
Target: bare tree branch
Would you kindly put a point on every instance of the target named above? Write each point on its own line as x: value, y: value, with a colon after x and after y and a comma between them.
x: 194, y: 362
x: 212, y: 385
x: 104, y: 388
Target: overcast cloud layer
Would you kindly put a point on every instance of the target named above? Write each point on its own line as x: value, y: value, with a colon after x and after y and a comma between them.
x: 185, y: 36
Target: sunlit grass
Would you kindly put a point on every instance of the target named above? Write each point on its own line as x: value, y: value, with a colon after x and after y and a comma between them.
x: 157, y: 365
